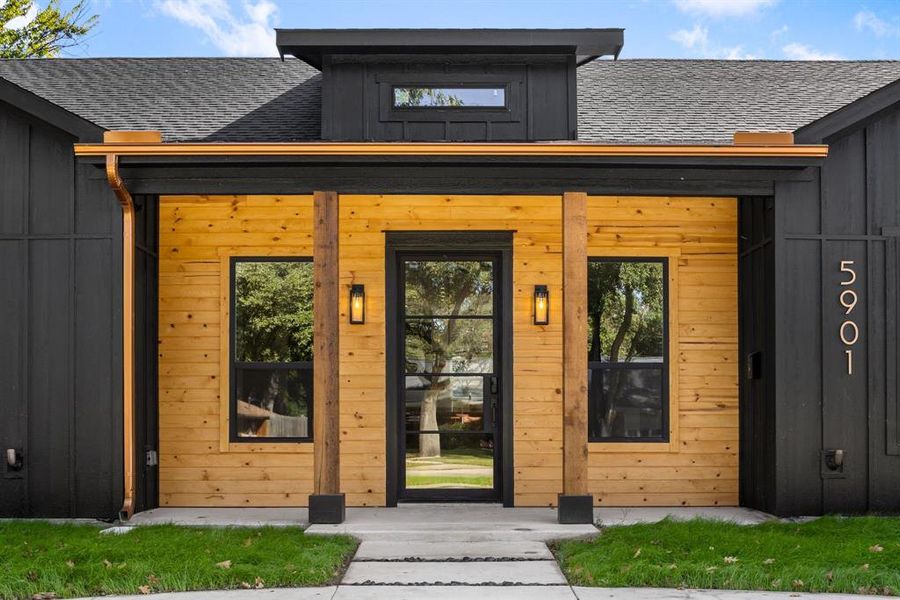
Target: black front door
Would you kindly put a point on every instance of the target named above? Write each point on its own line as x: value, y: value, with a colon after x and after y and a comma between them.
x: 448, y: 375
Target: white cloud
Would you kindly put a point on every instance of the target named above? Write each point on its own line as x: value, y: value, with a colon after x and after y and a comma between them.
x: 20, y: 22
x: 866, y: 19
x: 250, y: 35
x: 698, y: 36
x: 698, y: 39
x: 778, y: 33
x: 723, y: 8
x: 797, y: 51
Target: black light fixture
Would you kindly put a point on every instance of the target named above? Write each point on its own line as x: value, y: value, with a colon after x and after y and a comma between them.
x: 541, y: 305
x: 357, y: 304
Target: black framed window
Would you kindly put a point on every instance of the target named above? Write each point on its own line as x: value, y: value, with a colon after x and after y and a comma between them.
x: 451, y: 96
x: 628, y: 358
x: 271, y: 349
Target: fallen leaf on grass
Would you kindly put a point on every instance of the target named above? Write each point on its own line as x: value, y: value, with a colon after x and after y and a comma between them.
x: 730, y: 560
x: 70, y: 564
x: 144, y: 589
x: 225, y: 564
x: 245, y: 585
x: 638, y: 553
x: 107, y: 564
x: 797, y: 583
x: 865, y: 567
x: 711, y: 569
x: 876, y: 548
x: 152, y: 579
x: 44, y: 596
x: 769, y: 561
x: 260, y: 583
x: 776, y: 583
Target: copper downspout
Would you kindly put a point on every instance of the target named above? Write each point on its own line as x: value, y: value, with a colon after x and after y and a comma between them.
x: 125, y: 199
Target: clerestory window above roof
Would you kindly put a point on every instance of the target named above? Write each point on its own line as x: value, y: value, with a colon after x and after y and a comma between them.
x: 449, y: 84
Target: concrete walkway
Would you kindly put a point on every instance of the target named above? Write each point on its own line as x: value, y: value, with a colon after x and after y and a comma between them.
x: 453, y: 552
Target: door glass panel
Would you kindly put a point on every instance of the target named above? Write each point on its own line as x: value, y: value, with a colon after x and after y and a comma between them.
x: 444, y: 403
x: 448, y: 338
x: 449, y: 460
x: 449, y: 345
x: 449, y: 288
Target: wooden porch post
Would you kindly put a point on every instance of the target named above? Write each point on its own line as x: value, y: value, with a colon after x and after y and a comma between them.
x: 326, y: 505
x: 575, y: 503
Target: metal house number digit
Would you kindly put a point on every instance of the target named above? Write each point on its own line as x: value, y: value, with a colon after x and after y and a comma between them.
x: 848, y: 298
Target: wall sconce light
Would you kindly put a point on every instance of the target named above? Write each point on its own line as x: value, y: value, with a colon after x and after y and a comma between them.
x: 357, y: 304
x: 541, y: 305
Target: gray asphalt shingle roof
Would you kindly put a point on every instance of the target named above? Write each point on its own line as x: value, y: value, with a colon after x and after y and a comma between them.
x: 625, y: 101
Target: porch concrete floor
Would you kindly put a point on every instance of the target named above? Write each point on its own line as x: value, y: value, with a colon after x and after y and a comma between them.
x: 489, y: 520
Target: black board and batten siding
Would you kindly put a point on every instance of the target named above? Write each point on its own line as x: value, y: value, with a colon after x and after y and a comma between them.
x: 357, y: 99
x: 806, y: 405
x: 61, y: 335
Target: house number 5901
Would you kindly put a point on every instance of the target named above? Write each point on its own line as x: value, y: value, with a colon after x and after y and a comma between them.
x: 848, y: 299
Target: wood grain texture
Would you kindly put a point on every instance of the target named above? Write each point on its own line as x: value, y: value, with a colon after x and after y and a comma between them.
x: 700, y: 464
x: 698, y: 235
x: 326, y: 355
x: 198, y: 236
x: 575, y: 356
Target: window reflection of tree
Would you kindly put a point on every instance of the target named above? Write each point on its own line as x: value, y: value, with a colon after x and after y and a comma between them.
x: 450, y: 289
x: 273, y: 325
x: 625, y: 325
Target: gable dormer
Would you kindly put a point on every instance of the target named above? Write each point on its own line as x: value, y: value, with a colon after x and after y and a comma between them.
x: 470, y: 85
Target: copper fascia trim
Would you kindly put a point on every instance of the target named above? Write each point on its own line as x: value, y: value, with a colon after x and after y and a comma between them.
x: 450, y: 149
x: 125, y: 199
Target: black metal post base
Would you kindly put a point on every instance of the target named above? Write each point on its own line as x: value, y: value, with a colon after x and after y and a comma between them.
x: 326, y: 509
x: 575, y: 510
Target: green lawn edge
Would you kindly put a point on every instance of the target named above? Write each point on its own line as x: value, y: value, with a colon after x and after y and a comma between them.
x: 856, y: 555
x: 75, y: 560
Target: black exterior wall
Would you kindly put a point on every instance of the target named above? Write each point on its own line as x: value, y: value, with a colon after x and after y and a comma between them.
x: 791, y: 284
x: 60, y: 340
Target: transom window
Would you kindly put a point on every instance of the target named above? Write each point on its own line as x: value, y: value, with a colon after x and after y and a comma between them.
x: 449, y: 97
x: 628, y: 350
x: 272, y: 349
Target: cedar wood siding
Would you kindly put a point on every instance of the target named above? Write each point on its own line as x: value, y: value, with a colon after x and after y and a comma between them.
x: 197, y: 234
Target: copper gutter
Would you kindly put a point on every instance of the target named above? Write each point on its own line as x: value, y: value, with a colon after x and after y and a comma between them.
x: 118, y: 187
x: 742, y: 149
x: 128, y: 458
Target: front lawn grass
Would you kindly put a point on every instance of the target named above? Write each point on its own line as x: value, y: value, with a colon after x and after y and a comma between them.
x: 847, y: 555
x: 76, y: 560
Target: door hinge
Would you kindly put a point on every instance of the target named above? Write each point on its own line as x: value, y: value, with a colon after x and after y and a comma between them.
x: 151, y: 458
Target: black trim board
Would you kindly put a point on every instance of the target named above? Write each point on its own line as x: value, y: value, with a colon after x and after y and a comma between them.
x: 313, y: 45
x: 851, y: 117
x: 453, y: 242
x: 459, y: 179
x: 49, y: 113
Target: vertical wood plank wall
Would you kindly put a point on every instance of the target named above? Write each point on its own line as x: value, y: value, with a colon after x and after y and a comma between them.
x: 196, y: 232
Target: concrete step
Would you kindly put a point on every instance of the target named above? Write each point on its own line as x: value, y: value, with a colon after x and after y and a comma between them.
x: 454, y: 592
x: 451, y: 551
x: 456, y: 532
x: 542, y: 572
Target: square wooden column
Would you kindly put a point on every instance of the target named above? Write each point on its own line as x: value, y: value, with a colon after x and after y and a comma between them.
x: 575, y: 503
x: 326, y: 504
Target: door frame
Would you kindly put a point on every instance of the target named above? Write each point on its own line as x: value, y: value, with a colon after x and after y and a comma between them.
x: 449, y: 242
